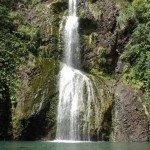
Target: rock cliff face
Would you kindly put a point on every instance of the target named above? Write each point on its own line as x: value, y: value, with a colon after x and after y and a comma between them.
x: 121, y: 112
x: 98, y: 26
x: 35, y: 112
x: 122, y: 117
x: 129, y: 121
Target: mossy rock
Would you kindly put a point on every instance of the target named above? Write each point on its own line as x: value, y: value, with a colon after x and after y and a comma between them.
x: 99, y: 122
x: 37, y: 113
x: 59, y: 6
x: 103, y: 104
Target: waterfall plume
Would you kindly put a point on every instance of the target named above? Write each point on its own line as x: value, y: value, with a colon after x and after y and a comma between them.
x: 76, y: 92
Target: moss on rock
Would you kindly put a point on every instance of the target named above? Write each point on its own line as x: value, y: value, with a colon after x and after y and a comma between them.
x: 40, y: 99
x: 101, y: 127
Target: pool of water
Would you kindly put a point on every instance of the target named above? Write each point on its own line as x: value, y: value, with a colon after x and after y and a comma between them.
x: 57, y: 145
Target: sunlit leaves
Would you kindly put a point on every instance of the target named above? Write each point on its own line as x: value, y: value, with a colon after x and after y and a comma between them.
x: 137, y: 59
x: 126, y: 15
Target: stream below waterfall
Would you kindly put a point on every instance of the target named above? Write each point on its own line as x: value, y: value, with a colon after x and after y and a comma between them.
x: 49, y: 145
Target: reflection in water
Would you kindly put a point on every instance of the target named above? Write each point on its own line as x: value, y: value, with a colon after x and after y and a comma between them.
x: 49, y: 145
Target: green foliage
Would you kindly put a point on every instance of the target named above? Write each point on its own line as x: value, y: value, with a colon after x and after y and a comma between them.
x: 4, y: 21
x: 28, y: 33
x: 126, y: 15
x: 101, y: 74
x: 16, y: 19
x: 142, y: 8
x: 101, y: 56
x: 122, y: 3
x: 132, y: 11
x: 35, y: 1
x: 135, y: 14
x: 14, y: 49
x: 95, y: 10
x: 12, y: 54
x: 137, y: 58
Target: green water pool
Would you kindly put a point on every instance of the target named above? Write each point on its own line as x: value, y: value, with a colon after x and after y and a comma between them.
x: 53, y: 145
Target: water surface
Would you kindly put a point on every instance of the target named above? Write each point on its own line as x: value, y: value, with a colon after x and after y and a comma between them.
x: 49, y: 145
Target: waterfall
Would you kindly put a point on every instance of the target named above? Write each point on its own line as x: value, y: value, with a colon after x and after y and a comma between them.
x: 72, y: 53
x: 76, y: 92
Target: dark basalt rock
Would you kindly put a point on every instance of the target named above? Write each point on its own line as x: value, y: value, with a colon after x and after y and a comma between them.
x: 105, y: 18
x: 129, y: 120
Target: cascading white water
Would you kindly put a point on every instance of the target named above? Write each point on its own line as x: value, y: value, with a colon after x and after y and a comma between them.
x: 72, y: 54
x: 75, y: 89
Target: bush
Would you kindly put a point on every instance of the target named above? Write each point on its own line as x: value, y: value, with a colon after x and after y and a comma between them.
x: 137, y: 58
x: 126, y: 16
x: 14, y: 50
x: 142, y: 8
x: 134, y: 16
x: 101, y: 56
x: 12, y: 53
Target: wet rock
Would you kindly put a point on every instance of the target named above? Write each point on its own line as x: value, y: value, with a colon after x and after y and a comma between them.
x: 36, y: 113
x: 101, y: 128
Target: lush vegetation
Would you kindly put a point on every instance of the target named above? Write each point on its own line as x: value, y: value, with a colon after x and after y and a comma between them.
x: 136, y: 55
x: 15, y: 44
x: 38, y: 34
